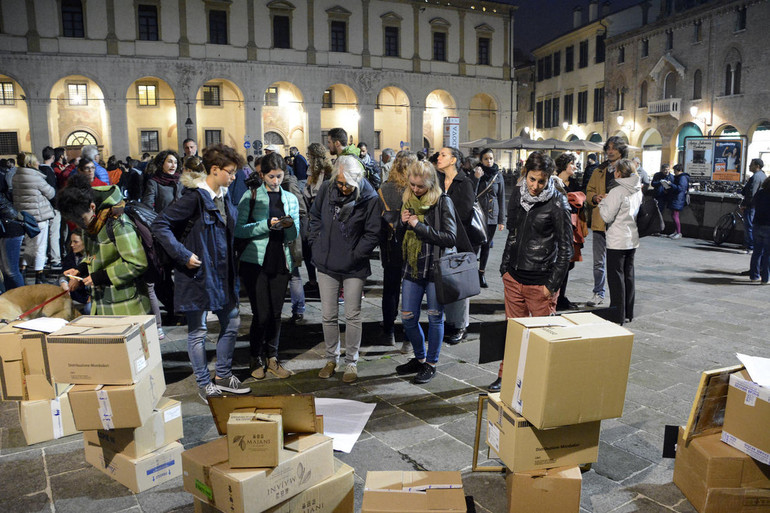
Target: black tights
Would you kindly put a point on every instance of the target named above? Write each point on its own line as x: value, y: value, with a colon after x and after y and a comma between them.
x: 484, y: 256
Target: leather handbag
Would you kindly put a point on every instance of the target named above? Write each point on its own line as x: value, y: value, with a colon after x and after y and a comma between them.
x: 30, y: 225
x: 478, y: 227
x: 455, y: 275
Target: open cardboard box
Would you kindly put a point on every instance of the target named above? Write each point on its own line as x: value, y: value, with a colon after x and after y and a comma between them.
x: 297, y: 410
x: 413, y: 492
x: 555, y: 490
x: 25, y: 374
x: 47, y: 419
x: 138, y: 474
x: 747, y: 417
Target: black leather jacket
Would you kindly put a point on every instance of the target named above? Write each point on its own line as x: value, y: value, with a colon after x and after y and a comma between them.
x: 539, y: 240
x: 445, y: 237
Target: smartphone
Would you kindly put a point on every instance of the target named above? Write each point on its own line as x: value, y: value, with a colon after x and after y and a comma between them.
x: 410, y: 210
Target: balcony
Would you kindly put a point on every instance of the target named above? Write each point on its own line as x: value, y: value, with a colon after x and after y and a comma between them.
x: 668, y: 107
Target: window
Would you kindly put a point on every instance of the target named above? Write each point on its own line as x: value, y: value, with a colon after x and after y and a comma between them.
x: 598, y: 104
x: 583, y: 58
x: 149, y: 141
x: 547, y: 66
x: 72, y: 18
x: 327, y: 102
x: 271, y: 97
x: 377, y: 139
x: 697, y: 33
x: 540, y: 70
x: 568, y: 106
x: 643, y: 94
x: 148, y: 22
x: 281, y: 32
x: 9, y: 143
x: 740, y: 18
x: 547, y: 113
x: 621, y: 55
x: 531, y: 101
x: 339, y: 33
x: 600, y: 50
x: 77, y: 94
x: 391, y: 42
x: 147, y: 95
x: 620, y: 99
x: 556, y: 63
x: 645, y: 48
x: 213, y: 137
x: 582, y: 116
x: 6, y: 94
x: 669, y: 39
x: 218, y: 27
x: 80, y: 138
x: 539, y: 115
x: 555, y: 113
x: 484, y: 45
x: 211, y: 96
x: 697, y: 85
x: 569, y: 59
x: 439, y: 46
x: 669, y: 86
x: 733, y: 79
x: 324, y: 136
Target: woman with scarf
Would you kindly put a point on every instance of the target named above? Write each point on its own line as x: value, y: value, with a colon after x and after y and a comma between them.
x: 567, y: 185
x: 491, y: 195
x: 539, y: 245
x: 161, y: 189
x: 426, y: 226
x: 343, y: 230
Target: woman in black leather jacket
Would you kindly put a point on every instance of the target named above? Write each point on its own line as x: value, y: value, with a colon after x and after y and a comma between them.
x: 539, y: 245
x: 13, y: 223
x: 491, y: 194
x: 427, y: 225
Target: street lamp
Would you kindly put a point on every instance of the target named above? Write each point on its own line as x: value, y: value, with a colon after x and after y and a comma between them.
x: 188, y: 124
x: 694, y: 111
x: 620, y: 120
x: 565, y: 125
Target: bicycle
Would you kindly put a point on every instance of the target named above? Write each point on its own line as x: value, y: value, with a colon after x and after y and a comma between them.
x: 725, y: 225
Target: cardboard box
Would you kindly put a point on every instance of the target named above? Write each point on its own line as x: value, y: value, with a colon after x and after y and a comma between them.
x: 555, y: 490
x: 738, y: 500
x: 254, y: 440
x: 138, y: 474
x: 163, y: 427
x: 522, y: 447
x: 208, y: 476
x: 705, y: 464
x: 747, y: 417
x: 334, y: 495
x: 24, y: 371
x: 104, y: 350
x: 566, y: 370
x: 413, y: 492
x: 117, y: 406
x: 297, y: 410
x: 46, y: 420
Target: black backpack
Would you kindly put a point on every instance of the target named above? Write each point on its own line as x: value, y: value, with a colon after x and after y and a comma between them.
x: 649, y: 220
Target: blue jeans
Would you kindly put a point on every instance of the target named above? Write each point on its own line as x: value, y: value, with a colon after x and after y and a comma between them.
x: 748, y: 228
x: 229, y: 322
x: 411, y: 299
x: 297, y: 293
x: 599, y: 246
x: 13, y: 276
x: 760, y: 258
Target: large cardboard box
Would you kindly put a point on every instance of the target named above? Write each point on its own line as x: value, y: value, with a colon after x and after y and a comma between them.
x: 163, y: 427
x: 747, y: 417
x: 104, y: 350
x: 566, y: 370
x: 555, y: 490
x: 413, y: 492
x: 705, y: 465
x: 254, y: 440
x: 24, y: 371
x: 138, y: 474
x: 522, y: 447
x: 117, y: 406
x: 209, y: 477
x: 334, y: 495
x: 46, y: 420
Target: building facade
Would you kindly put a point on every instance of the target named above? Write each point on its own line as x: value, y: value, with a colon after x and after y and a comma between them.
x: 143, y: 75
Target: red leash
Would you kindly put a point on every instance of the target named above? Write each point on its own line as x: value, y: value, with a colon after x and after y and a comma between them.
x: 41, y: 305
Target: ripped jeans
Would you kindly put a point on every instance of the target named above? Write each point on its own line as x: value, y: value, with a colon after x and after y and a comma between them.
x: 411, y: 300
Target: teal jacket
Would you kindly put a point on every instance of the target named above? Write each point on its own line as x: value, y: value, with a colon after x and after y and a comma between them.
x: 259, y: 231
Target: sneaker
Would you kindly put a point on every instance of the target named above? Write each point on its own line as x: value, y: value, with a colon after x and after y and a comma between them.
x: 161, y: 334
x: 596, y: 300
x: 231, y: 385
x: 209, y: 390
x: 328, y: 370
x: 413, y: 366
x: 406, y: 347
x: 676, y: 235
x: 426, y: 374
x: 257, y: 368
x: 275, y: 368
x: 296, y: 318
x: 351, y: 373
x: 754, y: 280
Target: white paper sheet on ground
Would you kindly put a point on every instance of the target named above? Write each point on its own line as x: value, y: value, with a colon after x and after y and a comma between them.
x: 757, y: 367
x: 44, y: 324
x: 344, y: 420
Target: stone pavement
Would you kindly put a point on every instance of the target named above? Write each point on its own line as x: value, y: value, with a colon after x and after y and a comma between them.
x: 693, y: 312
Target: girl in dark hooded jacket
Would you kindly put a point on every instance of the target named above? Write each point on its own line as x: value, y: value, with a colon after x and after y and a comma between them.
x: 491, y: 195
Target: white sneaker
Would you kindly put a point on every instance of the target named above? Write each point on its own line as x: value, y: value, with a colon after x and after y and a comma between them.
x: 596, y: 300
x: 676, y: 235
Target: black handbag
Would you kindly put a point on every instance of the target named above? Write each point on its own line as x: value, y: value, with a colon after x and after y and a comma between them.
x: 649, y: 220
x: 478, y: 232
x: 455, y: 275
x: 30, y: 225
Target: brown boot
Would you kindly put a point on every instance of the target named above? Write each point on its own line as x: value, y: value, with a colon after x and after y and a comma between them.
x: 278, y: 370
x: 257, y: 368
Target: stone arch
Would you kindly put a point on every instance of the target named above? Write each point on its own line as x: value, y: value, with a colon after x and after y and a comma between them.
x: 283, y: 111
x: 15, y: 115
x: 220, y: 111
x: 595, y: 137
x: 572, y: 137
x: 439, y: 103
x: 77, y: 103
x: 678, y: 138
x: 340, y: 109
x: 151, y: 115
x: 392, y: 118
x: 727, y: 129
x: 669, y: 85
x: 482, y: 117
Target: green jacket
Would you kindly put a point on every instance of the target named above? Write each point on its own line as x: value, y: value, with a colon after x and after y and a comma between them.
x: 123, y: 262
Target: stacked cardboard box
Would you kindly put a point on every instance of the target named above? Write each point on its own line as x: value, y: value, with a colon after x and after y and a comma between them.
x: 562, y: 376
x: 415, y: 492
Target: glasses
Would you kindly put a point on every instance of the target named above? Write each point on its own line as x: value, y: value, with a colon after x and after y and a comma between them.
x: 344, y: 185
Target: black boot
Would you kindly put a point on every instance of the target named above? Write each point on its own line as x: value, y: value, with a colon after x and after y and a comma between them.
x: 482, y: 280
x: 495, y: 385
x: 39, y: 277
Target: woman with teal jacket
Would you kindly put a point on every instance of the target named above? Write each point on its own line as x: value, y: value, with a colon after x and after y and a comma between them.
x: 269, y: 217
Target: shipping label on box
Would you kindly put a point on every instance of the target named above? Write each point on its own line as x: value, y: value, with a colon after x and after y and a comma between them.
x: 554, y: 490
x: 46, y: 420
x: 117, y: 406
x: 414, y: 492
x: 104, y: 350
x: 522, y: 447
x: 254, y: 439
x: 138, y: 474
x: 747, y: 417
x: 163, y: 427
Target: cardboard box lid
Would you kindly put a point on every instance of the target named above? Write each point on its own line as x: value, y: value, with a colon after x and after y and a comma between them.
x: 297, y: 410
x: 103, y: 329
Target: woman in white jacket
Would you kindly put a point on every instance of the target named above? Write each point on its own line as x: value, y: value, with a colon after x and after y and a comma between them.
x: 618, y: 209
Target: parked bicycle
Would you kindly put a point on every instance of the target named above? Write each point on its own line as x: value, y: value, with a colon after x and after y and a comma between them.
x: 726, y: 224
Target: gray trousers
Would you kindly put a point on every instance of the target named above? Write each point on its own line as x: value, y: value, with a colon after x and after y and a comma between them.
x: 457, y: 314
x: 329, y: 288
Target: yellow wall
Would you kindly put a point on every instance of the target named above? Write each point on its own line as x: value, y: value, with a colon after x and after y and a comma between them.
x: 482, y: 118
x: 15, y: 118
x: 440, y: 104
x: 344, y: 113
x: 161, y: 117
x: 66, y: 118
x: 229, y: 117
x: 392, y: 119
x: 289, y: 118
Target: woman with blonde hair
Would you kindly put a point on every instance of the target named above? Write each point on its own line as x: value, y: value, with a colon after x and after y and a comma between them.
x: 319, y: 170
x: 427, y: 226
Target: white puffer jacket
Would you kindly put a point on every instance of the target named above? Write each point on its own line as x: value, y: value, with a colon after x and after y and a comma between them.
x: 31, y: 193
x: 619, y: 210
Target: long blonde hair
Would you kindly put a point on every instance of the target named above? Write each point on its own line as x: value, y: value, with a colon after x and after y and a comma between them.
x: 398, y: 173
x: 319, y: 163
x: 27, y: 159
x: 425, y: 170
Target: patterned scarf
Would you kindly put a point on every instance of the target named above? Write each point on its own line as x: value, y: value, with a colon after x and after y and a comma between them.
x: 528, y: 201
x: 412, y: 246
x: 169, y: 180
x: 100, y: 219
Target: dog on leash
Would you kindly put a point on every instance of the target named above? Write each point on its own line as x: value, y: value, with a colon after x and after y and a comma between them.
x: 16, y: 301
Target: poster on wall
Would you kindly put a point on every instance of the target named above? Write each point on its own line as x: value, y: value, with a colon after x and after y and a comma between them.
x: 699, y: 157
x: 452, y: 132
x: 728, y: 160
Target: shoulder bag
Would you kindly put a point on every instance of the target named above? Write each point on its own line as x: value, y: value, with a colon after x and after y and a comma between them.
x: 478, y: 232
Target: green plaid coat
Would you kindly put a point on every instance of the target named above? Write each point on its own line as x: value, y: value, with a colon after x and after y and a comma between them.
x: 124, y: 261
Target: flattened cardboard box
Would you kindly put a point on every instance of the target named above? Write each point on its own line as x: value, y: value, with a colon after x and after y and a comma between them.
x: 747, y: 417
x: 561, y: 375
x: 117, y: 406
x: 555, y: 490
x: 334, y: 495
x: 47, y: 419
x: 163, y: 427
x: 24, y: 371
x: 254, y: 439
x: 522, y: 447
x: 208, y: 476
x: 138, y: 474
x: 706, y: 464
x: 104, y: 350
x: 413, y: 492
